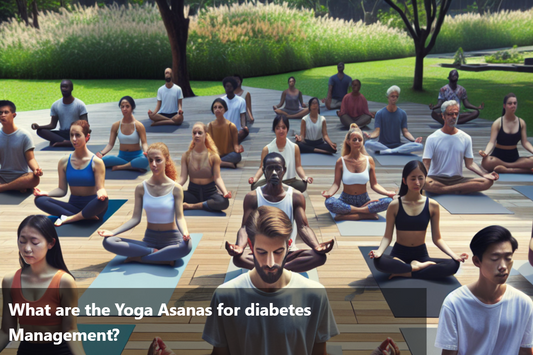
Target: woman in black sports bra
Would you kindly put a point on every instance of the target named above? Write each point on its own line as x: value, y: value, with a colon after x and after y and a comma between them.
x: 501, y: 153
x: 411, y: 214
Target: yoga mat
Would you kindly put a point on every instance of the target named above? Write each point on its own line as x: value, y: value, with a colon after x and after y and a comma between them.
x: 163, y: 129
x: 464, y: 125
x: 14, y: 197
x: 334, y: 349
x: 395, y: 159
x: 106, y: 347
x: 136, y: 284
x: 234, y: 271
x: 92, y: 147
x: 361, y: 228
x: 516, y: 178
x: 524, y: 268
x: 421, y: 341
x: 408, y: 297
x: 86, y: 228
x: 527, y: 191
x: 475, y: 203
x: 325, y: 112
x: 122, y: 174
x: 317, y: 159
x: 203, y: 213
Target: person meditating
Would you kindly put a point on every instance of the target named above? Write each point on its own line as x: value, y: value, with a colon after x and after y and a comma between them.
x: 201, y: 164
x: 166, y: 238
x: 293, y: 100
x: 313, y: 136
x: 501, y: 154
x: 168, y: 110
x: 290, y: 201
x: 443, y: 157
x: 411, y: 214
x: 225, y: 136
x: 246, y: 96
x: 338, y: 85
x: 85, y: 174
x: 452, y: 91
x: 43, y: 280
x: 389, y: 121
x: 130, y: 133
x: 16, y: 153
x: 354, y: 108
x: 236, y: 108
x: 354, y: 203
x: 290, y: 152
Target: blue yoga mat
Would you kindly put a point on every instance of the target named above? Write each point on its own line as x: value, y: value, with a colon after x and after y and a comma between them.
x: 86, y: 228
x: 202, y: 213
x: 107, y: 347
x: 47, y: 148
x: 14, y: 197
x: 395, y: 159
x: 475, y: 203
x: 316, y: 159
x: 362, y: 228
x: 234, y: 271
x: 136, y: 284
x: 527, y: 191
x: 515, y: 178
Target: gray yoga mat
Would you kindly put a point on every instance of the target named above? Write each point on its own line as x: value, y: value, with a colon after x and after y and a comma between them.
x: 515, y: 178
x: 202, y: 213
x: 316, y: 159
x: 234, y: 271
x: 408, y: 297
x: 334, y: 349
x: 464, y: 125
x: 421, y: 341
x: 475, y: 203
x: 395, y: 159
x: 122, y: 174
x: 362, y: 228
x: 163, y: 129
x: 14, y: 197
x: 47, y: 148
x: 527, y: 191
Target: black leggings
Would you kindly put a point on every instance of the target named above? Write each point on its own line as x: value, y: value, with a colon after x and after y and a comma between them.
x: 388, y: 265
x: 208, y: 194
x: 89, y: 206
x: 27, y: 348
x: 54, y: 136
x: 309, y: 146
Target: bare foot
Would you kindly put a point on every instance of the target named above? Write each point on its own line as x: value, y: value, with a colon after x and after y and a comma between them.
x: 62, y: 144
x: 71, y: 219
x: 186, y: 206
x: 417, y: 266
x: 356, y: 217
x: 500, y: 169
x: 407, y: 274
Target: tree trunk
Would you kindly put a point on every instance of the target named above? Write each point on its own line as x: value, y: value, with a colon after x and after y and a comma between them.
x: 23, y: 11
x: 35, y: 14
x: 419, y: 69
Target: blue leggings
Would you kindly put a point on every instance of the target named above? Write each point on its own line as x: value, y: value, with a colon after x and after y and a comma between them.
x: 136, y: 158
x: 170, y: 246
x: 342, y: 205
x: 89, y: 206
x: 405, y: 148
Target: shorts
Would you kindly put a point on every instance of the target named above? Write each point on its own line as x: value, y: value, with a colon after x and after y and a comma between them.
x: 168, y: 115
x: 506, y: 155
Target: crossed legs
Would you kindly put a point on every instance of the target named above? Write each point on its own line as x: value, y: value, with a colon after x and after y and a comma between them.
x: 161, y: 120
x: 463, y: 185
x: 22, y: 183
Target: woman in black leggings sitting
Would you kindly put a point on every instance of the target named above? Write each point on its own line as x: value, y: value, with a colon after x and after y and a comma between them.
x: 411, y: 214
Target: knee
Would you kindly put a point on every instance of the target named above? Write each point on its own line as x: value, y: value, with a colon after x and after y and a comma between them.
x: 40, y: 201
x: 488, y: 183
x: 239, y: 262
x: 330, y: 203
x: 455, y: 266
x: 320, y: 259
x: 109, y: 242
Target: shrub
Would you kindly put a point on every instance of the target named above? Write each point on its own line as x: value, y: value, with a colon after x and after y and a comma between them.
x: 505, y: 56
x: 459, y: 57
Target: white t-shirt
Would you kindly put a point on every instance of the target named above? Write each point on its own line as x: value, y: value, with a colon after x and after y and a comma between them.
x: 289, y: 154
x: 447, y: 153
x: 67, y: 114
x: 313, y: 131
x: 169, y: 98
x: 472, y: 327
x: 278, y: 335
x: 236, y: 106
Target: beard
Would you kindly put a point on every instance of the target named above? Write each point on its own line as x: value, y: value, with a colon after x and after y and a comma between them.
x: 66, y: 93
x: 270, y: 277
x: 168, y: 80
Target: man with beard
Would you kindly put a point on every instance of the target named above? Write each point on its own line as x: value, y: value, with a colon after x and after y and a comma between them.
x: 168, y: 110
x: 65, y: 111
x: 444, y: 152
x: 290, y: 201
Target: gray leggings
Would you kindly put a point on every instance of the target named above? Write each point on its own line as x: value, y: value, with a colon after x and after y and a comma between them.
x: 169, y: 244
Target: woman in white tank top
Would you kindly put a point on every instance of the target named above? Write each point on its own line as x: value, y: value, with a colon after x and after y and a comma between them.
x: 313, y: 136
x: 354, y: 203
x: 167, y: 237
x: 290, y: 152
x: 130, y: 133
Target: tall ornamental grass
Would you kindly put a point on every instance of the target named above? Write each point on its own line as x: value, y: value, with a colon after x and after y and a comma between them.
x: 131, y: 42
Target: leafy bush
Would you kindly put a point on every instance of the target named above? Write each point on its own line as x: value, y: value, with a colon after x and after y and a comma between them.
x: 506, y: 56
x: 459, y: 57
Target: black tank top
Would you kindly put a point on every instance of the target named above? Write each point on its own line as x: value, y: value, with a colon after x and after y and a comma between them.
x: 420, y: 222
x: 509, y: 139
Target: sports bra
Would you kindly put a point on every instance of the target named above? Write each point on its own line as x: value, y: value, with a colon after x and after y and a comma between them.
x: 204, y: 170
x: 160, y: 209
x: 51, y: 297
x: 80, y: 177
x: 130, y: 138
x: 507, y: 138
x: 420, y: 222
x: 349, y: 178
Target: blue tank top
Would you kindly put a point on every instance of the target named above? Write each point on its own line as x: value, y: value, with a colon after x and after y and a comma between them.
x: 80, y: 177
x: 420, y: 222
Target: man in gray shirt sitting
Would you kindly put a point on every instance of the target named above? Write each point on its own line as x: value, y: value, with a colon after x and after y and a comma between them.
x: 16, y: 153
x: 65, y: 111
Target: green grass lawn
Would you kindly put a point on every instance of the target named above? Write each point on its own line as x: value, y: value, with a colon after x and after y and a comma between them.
x: 489, y: 87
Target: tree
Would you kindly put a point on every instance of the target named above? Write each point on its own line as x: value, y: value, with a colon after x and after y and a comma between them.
x: 177, y: 24
x: 372, y: 15
x: 419, y: 34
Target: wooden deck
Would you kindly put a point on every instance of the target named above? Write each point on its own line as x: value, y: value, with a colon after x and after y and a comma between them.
x: 361, y: 312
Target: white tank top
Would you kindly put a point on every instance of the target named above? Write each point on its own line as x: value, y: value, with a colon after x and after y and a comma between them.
x: 285, y: 205
x: 130, y: 138
x: 313, y: 131
x: 160, y: 209
x: 288, y: 155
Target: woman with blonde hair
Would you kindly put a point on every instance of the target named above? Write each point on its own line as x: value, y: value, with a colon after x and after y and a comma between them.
x: 355, y: 168
x: 166, y: 238
x: 201, y: 164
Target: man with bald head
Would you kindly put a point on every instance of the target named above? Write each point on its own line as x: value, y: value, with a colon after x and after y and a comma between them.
x: 168, y: 109
x: 66, y: 111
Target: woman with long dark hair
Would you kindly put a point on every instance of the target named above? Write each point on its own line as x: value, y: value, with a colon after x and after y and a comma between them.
x: 313, y: 136
x: 411, y: 214
x: 293, y: 100
x: 43, y: 280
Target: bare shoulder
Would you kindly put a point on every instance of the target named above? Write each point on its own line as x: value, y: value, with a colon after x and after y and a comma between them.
x: 250, y: 198
x: 298, y: 198
x: 115, y: 126
x: 67, y: 281
x: 139, y: 125
x: 178, y: 189
x: 214, y: 159
x: 139, y: 188
x: 433, y: 203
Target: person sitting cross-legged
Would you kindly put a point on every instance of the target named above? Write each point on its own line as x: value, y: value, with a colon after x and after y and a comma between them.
x: 354, y: 108
x: 168, y: 110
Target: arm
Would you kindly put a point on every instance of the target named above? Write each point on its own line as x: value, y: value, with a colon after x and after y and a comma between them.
x: 449, y: 352
x: 184, y: 171
x: 157, y: 107
x: 410, y: 137
x: 328, y: 96
x: 525, y: 351
x: 434, y: 209
x: 374, y: 134
x: 112, y: 138
x: 259, y: 172
x: 282, y: 100
x: 243, y: 120
x: 494, y: 129
x: 305, y: 232
x: 427, y: 163
x: 234, y: 138
x: 392, y: 211
x: 301, y: 99
x: 437, y: 106
x: 180, y: 110
x: 325, y: 135
x: 51, y: 125
x: 249, y: 204
x: 303, y: 127
x: 467, y: 104
x: 69, y: 298
x: 8, y: 321
x: 142, y: 135
x: 336, y: 182
x: 135, y: 216
x: 319, y: 349
x: 217, y: 178
x: 180, y: 218
x: 470, y: 165
x: 62, y: 188
x: 298, y: 165
x: 374, y: 183
x: 32, y: 163
x: 84, y: 117
x: 99, y: 176
x: 525, y: 143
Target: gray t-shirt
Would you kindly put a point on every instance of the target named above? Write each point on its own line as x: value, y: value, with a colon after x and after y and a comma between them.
x: 340, y: 87
x: 68, y: 114
x: 279, y: 335
x: 13, y: 162
x: 390, y: 125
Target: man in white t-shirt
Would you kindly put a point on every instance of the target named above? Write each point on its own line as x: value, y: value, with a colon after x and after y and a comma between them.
x: 236, y: 112
x: 443, y: 157
x: 488, y: 317
x: 168, y: 110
